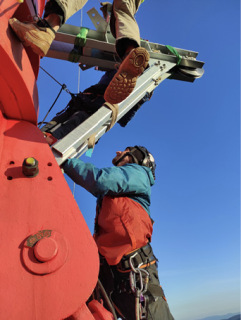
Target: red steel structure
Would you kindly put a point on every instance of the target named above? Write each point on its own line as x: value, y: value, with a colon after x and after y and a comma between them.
x: 49, y: 260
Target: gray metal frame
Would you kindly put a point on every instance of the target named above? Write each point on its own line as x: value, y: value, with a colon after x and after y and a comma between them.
x: 99, y: 51
x: 76, y: 142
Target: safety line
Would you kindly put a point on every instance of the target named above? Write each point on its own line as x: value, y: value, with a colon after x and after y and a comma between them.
x: 64, y: 87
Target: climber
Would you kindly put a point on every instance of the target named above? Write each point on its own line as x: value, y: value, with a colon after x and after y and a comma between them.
x: 82, y: 106
x: 123, y: 230
x: 39, y: 36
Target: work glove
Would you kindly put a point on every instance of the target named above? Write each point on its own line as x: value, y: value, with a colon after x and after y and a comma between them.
x: 106, y: 8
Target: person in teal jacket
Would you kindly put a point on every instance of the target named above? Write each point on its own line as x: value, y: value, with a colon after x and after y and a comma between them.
x: 123, y: 230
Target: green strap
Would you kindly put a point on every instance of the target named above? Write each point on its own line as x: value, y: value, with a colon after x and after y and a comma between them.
x: 174, y: 51
x: 79, y: 42
x: 75, y: 55
x: 80, y: 39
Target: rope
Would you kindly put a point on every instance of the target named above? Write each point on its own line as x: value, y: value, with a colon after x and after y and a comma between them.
x: 105, y: 296
x: 34, y: 7
x: 73, y: 188
x: 78, y: 89
x: 81, y: 24
x: 39, y: 124
x: 81, y: 18
x: 63, y: 87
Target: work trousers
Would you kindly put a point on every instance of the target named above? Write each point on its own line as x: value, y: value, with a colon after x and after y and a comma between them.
x: 126, y: 26
x: 117, y: 286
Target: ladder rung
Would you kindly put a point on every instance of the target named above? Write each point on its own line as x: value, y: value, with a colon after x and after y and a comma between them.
x: 103, y: 43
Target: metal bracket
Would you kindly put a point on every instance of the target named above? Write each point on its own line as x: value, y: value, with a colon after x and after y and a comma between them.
x: 100, y: 24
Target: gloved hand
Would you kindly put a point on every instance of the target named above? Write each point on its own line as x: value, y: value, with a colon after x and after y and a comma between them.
x: 106, y: 8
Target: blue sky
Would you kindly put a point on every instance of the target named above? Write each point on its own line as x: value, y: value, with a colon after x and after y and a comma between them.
x: 192, y: 129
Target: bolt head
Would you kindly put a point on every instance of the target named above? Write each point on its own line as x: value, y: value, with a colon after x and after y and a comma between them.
x: 45, y: 249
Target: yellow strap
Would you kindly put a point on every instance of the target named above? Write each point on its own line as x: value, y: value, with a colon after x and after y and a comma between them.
x: 115, y: 109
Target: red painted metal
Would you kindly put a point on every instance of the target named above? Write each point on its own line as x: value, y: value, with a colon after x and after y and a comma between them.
x: 46, y: 250
x: 19, y: 67
x: 99, y: 312
x: 49, y: 260
x: 47, y: 254
x: 56, y: 288
x: 81, y: 314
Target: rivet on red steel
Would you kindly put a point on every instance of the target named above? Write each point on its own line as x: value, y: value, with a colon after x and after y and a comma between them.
x: 45, y: 249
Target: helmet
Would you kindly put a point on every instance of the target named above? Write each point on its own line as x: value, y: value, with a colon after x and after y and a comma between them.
x: 143, y: 157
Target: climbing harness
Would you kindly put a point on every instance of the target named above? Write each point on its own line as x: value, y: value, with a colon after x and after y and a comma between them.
x: 141, y: 258
x: 134, y: 264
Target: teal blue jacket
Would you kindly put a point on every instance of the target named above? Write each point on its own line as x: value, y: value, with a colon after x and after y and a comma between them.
x: 131, y: 180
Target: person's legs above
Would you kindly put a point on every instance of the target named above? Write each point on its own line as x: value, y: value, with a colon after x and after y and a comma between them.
x: 39, y: 35
x: 135, y: 58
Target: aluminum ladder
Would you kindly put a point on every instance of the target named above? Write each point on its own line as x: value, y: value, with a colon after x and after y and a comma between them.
x: 96, y: 48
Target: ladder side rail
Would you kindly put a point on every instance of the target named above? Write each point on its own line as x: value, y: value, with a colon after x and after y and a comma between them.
x: 108, y: 60
x: 106, y: 48
x: 82, y: 148
x: 69, y: 33
x: 149, y: 80
x: 90, y: 42
x: 62, y: 51
x: 103, y: 114
x: 153, y: 46
x: 103, y: 49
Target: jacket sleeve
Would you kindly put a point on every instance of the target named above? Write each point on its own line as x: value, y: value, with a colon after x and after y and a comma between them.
x: 129, y: 179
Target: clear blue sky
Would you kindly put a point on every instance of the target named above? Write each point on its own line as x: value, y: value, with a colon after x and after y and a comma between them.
x: 192, y: 129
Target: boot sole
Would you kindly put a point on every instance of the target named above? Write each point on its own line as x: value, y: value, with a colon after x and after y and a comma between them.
x: 27, y: 34
x: 124, y: 81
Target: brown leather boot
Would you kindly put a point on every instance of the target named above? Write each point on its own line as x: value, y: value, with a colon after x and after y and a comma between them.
x: 124, y: 81
x: 34, y: 36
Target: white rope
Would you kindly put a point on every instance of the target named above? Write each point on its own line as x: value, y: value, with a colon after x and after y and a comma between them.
x: 73, y: 188
x: 78, y: 81
x: 78, y: 89
x: 81, y: 24
x: 81, y: 17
